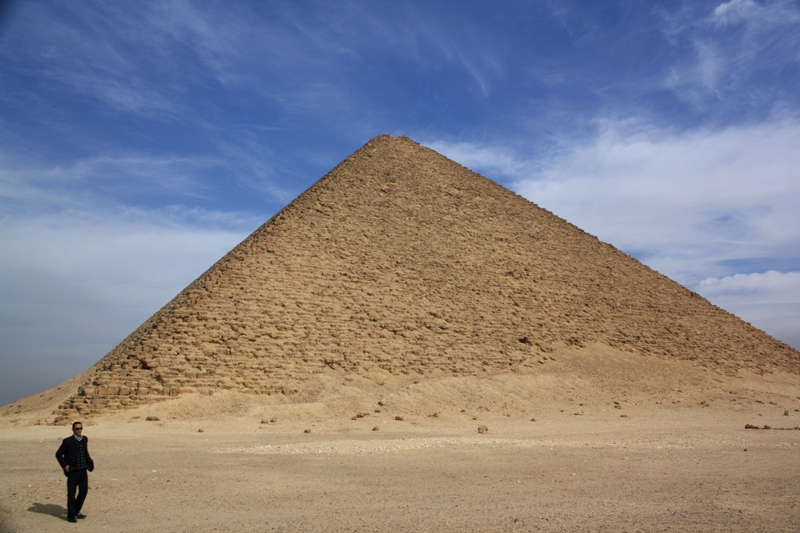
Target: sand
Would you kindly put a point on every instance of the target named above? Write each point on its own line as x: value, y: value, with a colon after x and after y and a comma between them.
x: 620, y: 442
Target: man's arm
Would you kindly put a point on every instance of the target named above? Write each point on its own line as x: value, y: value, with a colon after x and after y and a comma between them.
x: 61, y: 456
x: 62, y: 450
x: 89, y: 462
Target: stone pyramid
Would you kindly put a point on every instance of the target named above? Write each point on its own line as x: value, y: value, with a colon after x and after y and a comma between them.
x: 403, y: 260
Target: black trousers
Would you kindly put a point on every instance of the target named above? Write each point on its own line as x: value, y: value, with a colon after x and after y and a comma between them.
x: 76, y: 480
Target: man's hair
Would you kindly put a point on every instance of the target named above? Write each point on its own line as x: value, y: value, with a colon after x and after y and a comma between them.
x: 76, y: 423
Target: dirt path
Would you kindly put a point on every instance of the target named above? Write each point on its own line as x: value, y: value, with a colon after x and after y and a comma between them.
x: 655, y: 470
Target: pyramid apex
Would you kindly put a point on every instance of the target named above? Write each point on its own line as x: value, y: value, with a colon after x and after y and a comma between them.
x: 386, y: 139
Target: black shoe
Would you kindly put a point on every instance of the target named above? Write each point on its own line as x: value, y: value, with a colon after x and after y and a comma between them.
x: 72, y: 519
x: 80, y: 516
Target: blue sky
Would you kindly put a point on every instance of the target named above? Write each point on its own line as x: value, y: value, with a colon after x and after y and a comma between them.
x: 140, y: 141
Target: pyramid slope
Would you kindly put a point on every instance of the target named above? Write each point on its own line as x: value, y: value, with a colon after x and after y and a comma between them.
x: 402, y: 260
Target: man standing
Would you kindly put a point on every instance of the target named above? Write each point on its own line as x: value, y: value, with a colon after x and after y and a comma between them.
x: 74, y: 458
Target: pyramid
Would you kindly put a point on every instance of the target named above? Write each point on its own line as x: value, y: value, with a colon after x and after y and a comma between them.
x: 402, y: 260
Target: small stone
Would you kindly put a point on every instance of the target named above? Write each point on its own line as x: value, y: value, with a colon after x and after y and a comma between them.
x: 376, y: 428
x: 306, y: 430
x: 200, y: 430
x: 786, y: 412
x: 398, y: 417
x: 152, y: 419
x: 483, y: 429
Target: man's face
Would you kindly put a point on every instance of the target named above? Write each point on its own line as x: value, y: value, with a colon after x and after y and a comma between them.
x: 78, y: 429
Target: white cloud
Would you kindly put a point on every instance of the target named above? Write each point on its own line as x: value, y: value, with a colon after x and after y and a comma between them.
x: 769, y: 300
x: 735, y: 10
x: 493, y: 160
x: 782, y: 286
x: 693, y: 206
x: 756, y: 15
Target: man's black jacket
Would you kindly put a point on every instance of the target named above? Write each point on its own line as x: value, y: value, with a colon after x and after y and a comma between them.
x: 67, y: 453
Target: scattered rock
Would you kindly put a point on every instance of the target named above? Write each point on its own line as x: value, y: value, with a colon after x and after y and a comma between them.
x: 483, y: 429
x: 533, y: 419
x: 382, y: 402
x: 375, y: 428
x: 152, y: 419
x: 786, y: 412
x: 398, y: 417
x: 200, y: 430
x: 273, y: 420
x: 264, y: 421
x: 306, y: 430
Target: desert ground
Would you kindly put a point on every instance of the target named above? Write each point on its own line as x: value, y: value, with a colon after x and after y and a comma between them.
x: 595, y: 441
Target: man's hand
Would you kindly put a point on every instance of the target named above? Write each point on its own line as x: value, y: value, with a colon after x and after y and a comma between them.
x: 66, y: 469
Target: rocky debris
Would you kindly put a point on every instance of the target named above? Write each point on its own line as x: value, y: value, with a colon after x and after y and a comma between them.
x: 152, y: 419
x: 483, y: 429
x: 399, y: 418
x: 376, y: 428
x: 766, y: 426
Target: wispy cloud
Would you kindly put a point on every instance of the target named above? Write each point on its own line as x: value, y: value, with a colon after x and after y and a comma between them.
x: 736, y: 44
x: 94, y: 182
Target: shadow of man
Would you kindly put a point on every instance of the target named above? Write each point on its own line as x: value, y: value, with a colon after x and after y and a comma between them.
x: 49, y: 508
